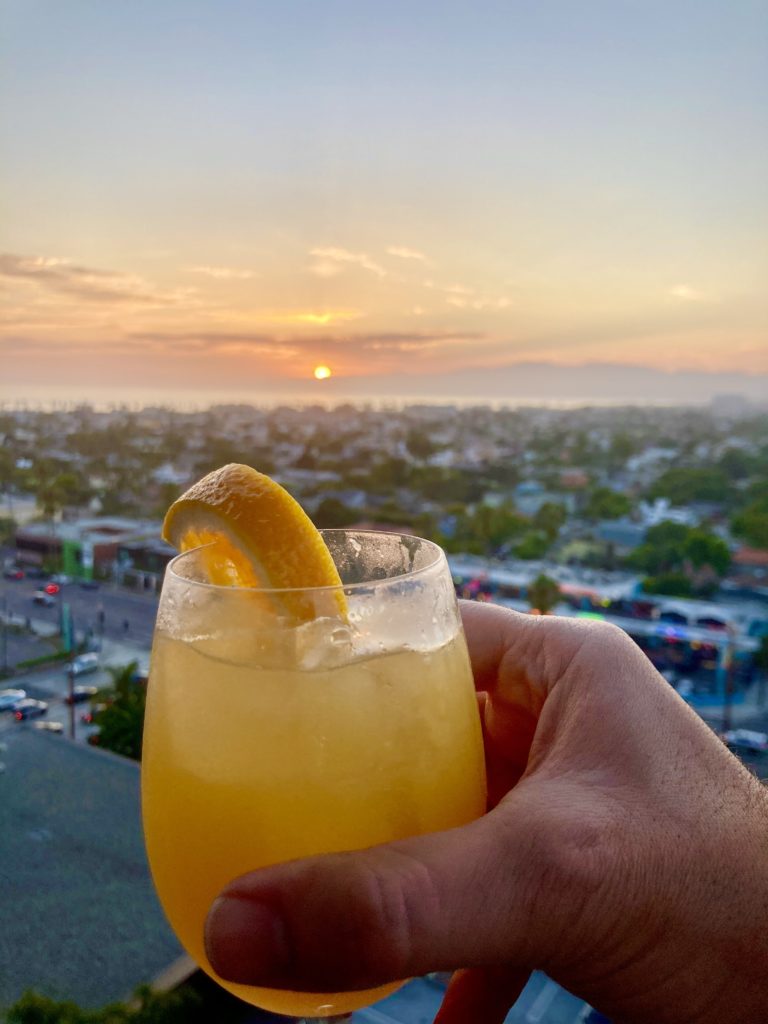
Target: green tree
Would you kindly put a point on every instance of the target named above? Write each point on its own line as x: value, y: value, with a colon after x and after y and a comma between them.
x: 751, y: 524
x: 623, y: 446
x: 332, y: 514
x: 550, y: 518
x: 533, y: 545
x: 703, y: 549
x: 736, y: 463
x: 676, y: 584
x: 761, y: 664
x: 121, y: 722
x: 684, y: 485
x: 661, y: 550
x: 604, y: 503
x: 419, y: 445
x: 490, y: 527
x: 7, y: 529
x: 543, y: 593
x: 167, y: 493
x: 182, y: 1006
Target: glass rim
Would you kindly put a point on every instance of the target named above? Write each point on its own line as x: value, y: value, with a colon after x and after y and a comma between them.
x: 437, y: 552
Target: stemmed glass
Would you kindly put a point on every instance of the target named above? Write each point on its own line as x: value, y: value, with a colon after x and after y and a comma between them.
x: 268, y: 739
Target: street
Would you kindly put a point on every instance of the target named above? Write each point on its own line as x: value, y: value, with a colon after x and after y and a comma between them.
x: 119, y: 606
x: 50, y: 683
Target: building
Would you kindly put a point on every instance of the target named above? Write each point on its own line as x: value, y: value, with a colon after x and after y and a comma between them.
x: 749, y: 570
x: 80, y: 547
x: 141, y: 563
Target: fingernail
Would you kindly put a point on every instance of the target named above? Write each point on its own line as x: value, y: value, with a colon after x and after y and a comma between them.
x: 245, y: 941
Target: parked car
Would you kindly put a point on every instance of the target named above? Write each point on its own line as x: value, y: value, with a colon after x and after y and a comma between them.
x: 80, y: 694
x: 10, y: 698
x: 13, y: 572
x: 89, y: 584
x: 61, y: 578
x: 85, y: 663
x: 747, y: 741
x: 29, y: 708
x: 56, y: 727
x: 35, y: 572
x: 43, y: 598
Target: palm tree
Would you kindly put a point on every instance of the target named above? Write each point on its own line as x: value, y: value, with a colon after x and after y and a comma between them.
x: 121, y: 722
x: 543, y: 594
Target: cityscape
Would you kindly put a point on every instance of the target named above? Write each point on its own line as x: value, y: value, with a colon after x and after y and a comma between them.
x: 653, y: 519
x: 492, y: 275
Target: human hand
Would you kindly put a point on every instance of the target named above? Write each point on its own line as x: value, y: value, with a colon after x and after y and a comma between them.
x: 625, y: 854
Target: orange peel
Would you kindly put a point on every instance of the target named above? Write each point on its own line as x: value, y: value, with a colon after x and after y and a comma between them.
x: 254, y: 534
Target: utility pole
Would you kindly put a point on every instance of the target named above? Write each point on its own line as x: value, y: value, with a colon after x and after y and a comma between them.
x: 4, y: 659
x: 71, y: 695
x: 726, y: 669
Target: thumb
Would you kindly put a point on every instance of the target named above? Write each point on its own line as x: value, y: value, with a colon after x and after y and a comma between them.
x: 347, y: 921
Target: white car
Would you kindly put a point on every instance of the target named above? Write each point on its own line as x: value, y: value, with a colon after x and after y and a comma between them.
x: 10, y: 698
x: 747, y: 740
x: 85, y: 663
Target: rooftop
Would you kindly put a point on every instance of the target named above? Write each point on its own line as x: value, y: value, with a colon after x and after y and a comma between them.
x: 80, y: 919
x: 98, y: 530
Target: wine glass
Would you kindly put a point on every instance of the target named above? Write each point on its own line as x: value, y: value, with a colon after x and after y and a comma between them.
x: 268, y: 739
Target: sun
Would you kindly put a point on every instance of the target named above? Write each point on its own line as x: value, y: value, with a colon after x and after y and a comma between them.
x: 322, y: 372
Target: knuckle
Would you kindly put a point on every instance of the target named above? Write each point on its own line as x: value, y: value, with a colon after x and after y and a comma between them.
x: 368, y: 940
x: 570, y: 852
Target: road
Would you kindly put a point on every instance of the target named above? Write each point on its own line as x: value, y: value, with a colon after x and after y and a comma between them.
x: 119, y: 606
x: 51, y: 684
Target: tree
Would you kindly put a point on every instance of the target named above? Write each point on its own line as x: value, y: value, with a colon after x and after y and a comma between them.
x: 684, y: 485
x: 550, y: 518
x: 673, y: 552
x: 604, y: 503
x: 182, y: 1006
x: 751, y: 524
x: 533, y: 545
x: 662, y: 549
x: 736, y: 463
x: 489, y: 528
x: 332, y: 514
x: 7, y: 529
x: 704, y: 550
x: 675, y: 584
x: 121, y: 722
x: 543, y: 593
x: 419, y: 445
x: 761, y: 664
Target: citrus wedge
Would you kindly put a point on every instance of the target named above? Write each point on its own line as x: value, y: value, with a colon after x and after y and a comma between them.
x: 254, y: 534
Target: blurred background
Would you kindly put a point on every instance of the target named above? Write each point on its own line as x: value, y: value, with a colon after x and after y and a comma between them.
x: 489, y: 273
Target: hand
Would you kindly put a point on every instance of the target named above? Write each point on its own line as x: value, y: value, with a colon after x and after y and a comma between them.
x: 625, y: 854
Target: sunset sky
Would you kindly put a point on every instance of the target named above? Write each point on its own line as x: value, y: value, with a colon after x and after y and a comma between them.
x: 227, y: 194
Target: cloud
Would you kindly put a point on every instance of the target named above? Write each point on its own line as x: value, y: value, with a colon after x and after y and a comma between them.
x: 63, y: 277
x: 330, y: 256
x: 459, y: 302
x: 448, y: 289
x: 330, y: 344
x: 324, y: 319
x: 223, y: 273
x: 404, y: 253
x: 686, y: 293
